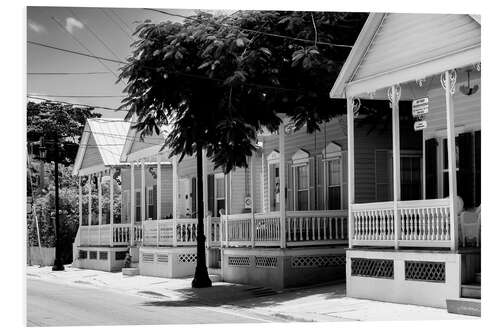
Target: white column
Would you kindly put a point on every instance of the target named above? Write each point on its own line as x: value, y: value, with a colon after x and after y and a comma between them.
x: 205, y: 183
x: 252, y: 195
x: 396, y: 182
x: 80, y: 198
x: 424, y: 181
x: 452, y: 168
x: 158, y: 187
x: 175, y: 187
x: 262, y: 181
x: 143, y: 192
x: 350, y: 168
x: 99, y: 205
x: 282, y: 178
x: 132, y: 202
x: 111, y: 205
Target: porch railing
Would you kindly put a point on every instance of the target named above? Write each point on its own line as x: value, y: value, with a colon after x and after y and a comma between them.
x: 419, y: 223
x: 302, y: 228
x: 108, y: 235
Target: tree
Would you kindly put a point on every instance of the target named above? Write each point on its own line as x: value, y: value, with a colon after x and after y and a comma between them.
x: 217, y: 84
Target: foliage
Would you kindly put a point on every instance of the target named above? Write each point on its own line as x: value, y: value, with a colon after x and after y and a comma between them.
x: 67, y: 121
x: 217, y: 84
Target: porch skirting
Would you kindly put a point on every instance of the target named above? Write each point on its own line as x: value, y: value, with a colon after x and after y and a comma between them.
x: 283, y: 268
x: 109, y: 259
x: 419, y: 277
x: 168, y: 262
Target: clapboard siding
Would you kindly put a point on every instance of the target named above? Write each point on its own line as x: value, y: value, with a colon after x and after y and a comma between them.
x: 467, y: 110
x: 238, y: 191
x: 92, y: 156
x: 407, y: 39
x: 147, y: 142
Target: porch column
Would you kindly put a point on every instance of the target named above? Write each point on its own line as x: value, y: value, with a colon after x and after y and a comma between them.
x: 205, y: 183
x: 143, y: 192
x: 111, y: 205
x: 158, y: 187
x: 80, y: 203
x: 350, y: 168
x: 282, y: 178
x: 175, y: 187
x: 452, y: 168
x: 132, y: 202
x: 99, y: 205
x: 158, y: 198
x: 396, y: 181
x: 262, y: 182
x: 252, y: 196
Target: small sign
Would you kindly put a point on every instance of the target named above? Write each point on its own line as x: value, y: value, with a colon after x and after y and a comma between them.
x: 420, y: 106
x: 420, y: 125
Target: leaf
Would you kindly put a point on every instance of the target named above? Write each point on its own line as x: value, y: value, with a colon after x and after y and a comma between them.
x: 205, y: 64
x: 240, y: 42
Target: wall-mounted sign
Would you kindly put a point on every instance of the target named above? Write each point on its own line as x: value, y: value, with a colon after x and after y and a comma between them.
x: 420, y: 106
x: 420, y: 125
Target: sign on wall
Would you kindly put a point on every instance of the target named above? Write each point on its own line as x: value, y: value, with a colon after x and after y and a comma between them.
x: 419, y: 125
x: 420, y: 107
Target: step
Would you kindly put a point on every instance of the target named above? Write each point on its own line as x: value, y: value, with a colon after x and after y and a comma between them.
x: 477, y: 277
x: 130, y: 271
x: 464, y: 306
x: 215, y: 277
x: 471, y: 291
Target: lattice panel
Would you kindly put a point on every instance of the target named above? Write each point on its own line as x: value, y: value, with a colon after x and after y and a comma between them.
x: 376, y: 268
x: 148, y: 257
x: 162, y: 258
x: 103, y: 255
x: 186, y: 258
x: 121, y: 255
x: 425, y: 271
x: 266, y: 262
x: 82, y: 254
x: 238, y: 261
x: 92, y: 254
x: 318, y: 261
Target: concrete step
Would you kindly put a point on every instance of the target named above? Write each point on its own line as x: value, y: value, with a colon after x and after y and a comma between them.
x: 477, y: 277
x: 471, y: 291
x: 130, y: 271
x: 134, y: 264
x: 464, y: 306
x: 215, y: 277
x: 261, y: 291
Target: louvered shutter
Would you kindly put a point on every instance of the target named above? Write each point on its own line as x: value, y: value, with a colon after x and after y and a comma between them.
x: 155, y: 205
x: 193, y: 197
x: 477, y: 168
x: 320, y: 183
x: 210, y: 189
x: 431, y: 176
x: 465, y: 174
x: 312, y: 183
x: 290, y: 187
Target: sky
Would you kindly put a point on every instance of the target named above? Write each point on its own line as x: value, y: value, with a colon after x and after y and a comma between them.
x: 105, y: 32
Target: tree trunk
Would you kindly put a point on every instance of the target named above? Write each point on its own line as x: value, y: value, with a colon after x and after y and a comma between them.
x: 201, y: 278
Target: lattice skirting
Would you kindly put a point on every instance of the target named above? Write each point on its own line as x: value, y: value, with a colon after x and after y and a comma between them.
x: 238, y: 261
x: 318, y: 261
x: 376, y: 268
x: 425, y: 271
x: 266, y: 262
x: 186, y: 258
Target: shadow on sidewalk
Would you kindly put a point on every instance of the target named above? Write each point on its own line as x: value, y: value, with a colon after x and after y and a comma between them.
x: 247, y: 296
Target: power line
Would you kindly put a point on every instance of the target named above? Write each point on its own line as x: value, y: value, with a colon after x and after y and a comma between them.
x: 67, y: 73
x: 79, y: 96
x: 252, y: 30
x: 116, y: 23
x: 76, y: 104
x: 121, y: 20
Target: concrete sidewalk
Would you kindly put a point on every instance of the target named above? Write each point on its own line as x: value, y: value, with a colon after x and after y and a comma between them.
x: 323, y: 303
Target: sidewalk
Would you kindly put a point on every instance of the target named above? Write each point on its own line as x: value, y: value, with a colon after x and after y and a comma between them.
x: 323, y: 303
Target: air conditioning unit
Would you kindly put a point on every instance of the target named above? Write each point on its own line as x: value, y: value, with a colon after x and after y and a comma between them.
x: 248, y: 202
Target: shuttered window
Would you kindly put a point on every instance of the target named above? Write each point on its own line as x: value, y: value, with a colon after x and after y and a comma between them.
x: 137, y: 205
x: 383, y: 175
x: 220, y: 193
x: 333, y: 183
x: 302, y: 177
x: 150, y: 196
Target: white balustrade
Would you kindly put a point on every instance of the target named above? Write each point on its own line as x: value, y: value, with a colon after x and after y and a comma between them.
x: 214, y: 231
x: 373, y: 223
x: 185, y: 232
x: 267, y: 229
x: 316, y: 227
x: 121, y: 234
x: 238, y: 229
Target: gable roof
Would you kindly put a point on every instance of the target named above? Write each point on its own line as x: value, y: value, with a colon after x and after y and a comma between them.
x: 396, y: 48
x: 134, y: 148
x: 109, y: 136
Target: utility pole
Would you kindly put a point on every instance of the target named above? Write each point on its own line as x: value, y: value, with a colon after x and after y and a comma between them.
x: 58, y: 266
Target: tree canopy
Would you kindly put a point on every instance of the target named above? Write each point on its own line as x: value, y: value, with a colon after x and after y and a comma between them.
x: 218, y: 80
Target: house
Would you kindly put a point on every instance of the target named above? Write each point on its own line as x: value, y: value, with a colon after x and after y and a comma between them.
x: 418, y: 246
x: 102, y: 239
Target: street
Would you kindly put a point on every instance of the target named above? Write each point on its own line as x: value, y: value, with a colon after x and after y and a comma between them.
x: 54, y: 304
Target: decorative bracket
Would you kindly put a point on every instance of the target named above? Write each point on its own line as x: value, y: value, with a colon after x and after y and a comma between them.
x: 398, y: 94
x: 453, y: 80
x: 477, y: 67
x: 420, y: 82
x: 356, y: 105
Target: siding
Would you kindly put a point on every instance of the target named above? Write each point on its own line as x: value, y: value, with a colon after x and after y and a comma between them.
x: 406, y: 39
x: 148, y: 142
x: 92, y: 156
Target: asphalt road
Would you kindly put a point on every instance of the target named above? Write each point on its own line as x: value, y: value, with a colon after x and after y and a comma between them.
x: 51, y: 304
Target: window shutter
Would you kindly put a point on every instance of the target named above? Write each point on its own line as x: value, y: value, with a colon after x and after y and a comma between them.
x: 155, y: 206
x: 431, y: 178
x: 194, y: 197
x: 312, y: 183
x: 320, y: 183
x: 210, y: 189
x: 477, y: 168
x: 465, y: 177
x: 383, y: 191
x: 290, y: 187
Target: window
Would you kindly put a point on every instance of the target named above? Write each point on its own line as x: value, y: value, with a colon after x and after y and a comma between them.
x: 333, y: 184
x: 220, y: 193
x: 302, y: 177
x: 137, y: 205
x: 150, y: 203
x: 273, y: 180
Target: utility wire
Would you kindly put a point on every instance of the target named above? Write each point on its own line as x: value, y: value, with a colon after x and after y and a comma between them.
x: 75, y: 104
x: 121, y: 20
x: 66, y: 73
x: 116, y: 23
x: 79, y: 96
x: 251, y: 30
x: 82, y: 45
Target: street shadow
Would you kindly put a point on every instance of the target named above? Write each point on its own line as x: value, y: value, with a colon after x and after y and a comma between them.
x: 247, y: 296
